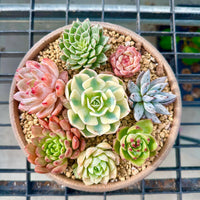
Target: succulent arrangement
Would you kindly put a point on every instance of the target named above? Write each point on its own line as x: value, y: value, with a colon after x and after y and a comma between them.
x: 71, y: 110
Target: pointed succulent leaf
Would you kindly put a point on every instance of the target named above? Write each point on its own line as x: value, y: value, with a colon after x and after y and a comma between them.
x: 139, y: 78
x: 132, y: 87
x: 147, y: 98
x: 145, y: 78
x: 144, y: 88
x: 138, y: 111
x: 153, y: 117
x: 158, y: 80
x: 122, y: 131
x: 146, y: 125
x: 159, y: 87
x: 116, y: 146
x: 149, y: 107
x: 135, y: 97
x: 160, y: 108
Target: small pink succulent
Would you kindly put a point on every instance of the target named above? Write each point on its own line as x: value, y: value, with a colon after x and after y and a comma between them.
x: 53, y: 144
x: 40, y: 87
x: 125, y: 61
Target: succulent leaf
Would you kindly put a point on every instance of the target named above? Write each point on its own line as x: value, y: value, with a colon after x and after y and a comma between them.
x: 138, y: 111
x: 132, y: 87
x: 147, y: 98
x: 84, y: 45
x: 97, y: 165
x: 98, y: 102
x: 158, y: 80
x: 136, y: 144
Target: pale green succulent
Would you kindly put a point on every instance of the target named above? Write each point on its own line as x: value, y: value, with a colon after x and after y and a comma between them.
x: 97, y: 102
x: 97, y: 164
x: 84, y: 45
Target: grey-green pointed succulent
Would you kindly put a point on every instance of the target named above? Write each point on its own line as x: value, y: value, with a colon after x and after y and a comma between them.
x: 97, y: 102
x: 84, y: 45
x: 147, y: 98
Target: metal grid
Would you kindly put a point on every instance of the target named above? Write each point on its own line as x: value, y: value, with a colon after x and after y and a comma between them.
x: 134, y: 13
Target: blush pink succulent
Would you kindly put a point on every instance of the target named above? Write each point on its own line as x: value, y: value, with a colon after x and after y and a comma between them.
x: 125, y: 61
x: 53, y: 144
x: 40, y: 87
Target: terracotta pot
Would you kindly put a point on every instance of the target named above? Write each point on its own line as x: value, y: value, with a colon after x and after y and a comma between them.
x: 75, y: 184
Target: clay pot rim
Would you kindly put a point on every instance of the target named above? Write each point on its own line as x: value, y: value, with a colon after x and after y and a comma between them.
x: 79, y: 185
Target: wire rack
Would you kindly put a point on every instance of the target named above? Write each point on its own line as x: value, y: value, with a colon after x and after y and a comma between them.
x: 134, y: 13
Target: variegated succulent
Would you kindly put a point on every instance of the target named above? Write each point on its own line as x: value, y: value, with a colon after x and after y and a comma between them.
x: 53, y: 144
x: 40, y: 87
x: 97, y: 164
x: 136, y: 144
x: 97, y: 102
x: 84, y: 45
x: 147, y: 97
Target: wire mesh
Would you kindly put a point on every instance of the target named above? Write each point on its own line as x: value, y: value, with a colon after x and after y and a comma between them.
x: 132, y: 13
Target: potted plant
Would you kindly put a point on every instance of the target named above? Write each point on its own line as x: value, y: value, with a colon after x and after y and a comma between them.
x: 95, y: 106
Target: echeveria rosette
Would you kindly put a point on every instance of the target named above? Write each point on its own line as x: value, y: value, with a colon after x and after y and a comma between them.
x: 84, y: 45
x: 97, y: 164
x: 97, y: 102
x: 136, y: 144
x: 125, y: 61
x: 52, y: 146
x: 146, y: 97
x: 41, y: 88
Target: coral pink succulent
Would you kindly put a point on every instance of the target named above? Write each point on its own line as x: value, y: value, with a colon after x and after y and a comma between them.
x: 53, y: 144
x: 40, y: 87
x: 125, y: 61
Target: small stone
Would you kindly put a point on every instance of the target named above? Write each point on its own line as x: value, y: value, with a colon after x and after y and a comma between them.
x: 68, y: 174
x: 160, y: 70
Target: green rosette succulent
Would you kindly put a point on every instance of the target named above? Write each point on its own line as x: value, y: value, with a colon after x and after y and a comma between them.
x: 136, y: 144
x: 97, y: 164
x: 96, y: 102
x: 84, y: 45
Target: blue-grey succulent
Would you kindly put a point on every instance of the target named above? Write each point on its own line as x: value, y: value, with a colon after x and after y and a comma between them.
x: 146, y: 97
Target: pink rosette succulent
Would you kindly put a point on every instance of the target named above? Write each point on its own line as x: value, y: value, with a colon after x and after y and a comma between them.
x: 125, y: 61
x: 41, y: 88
